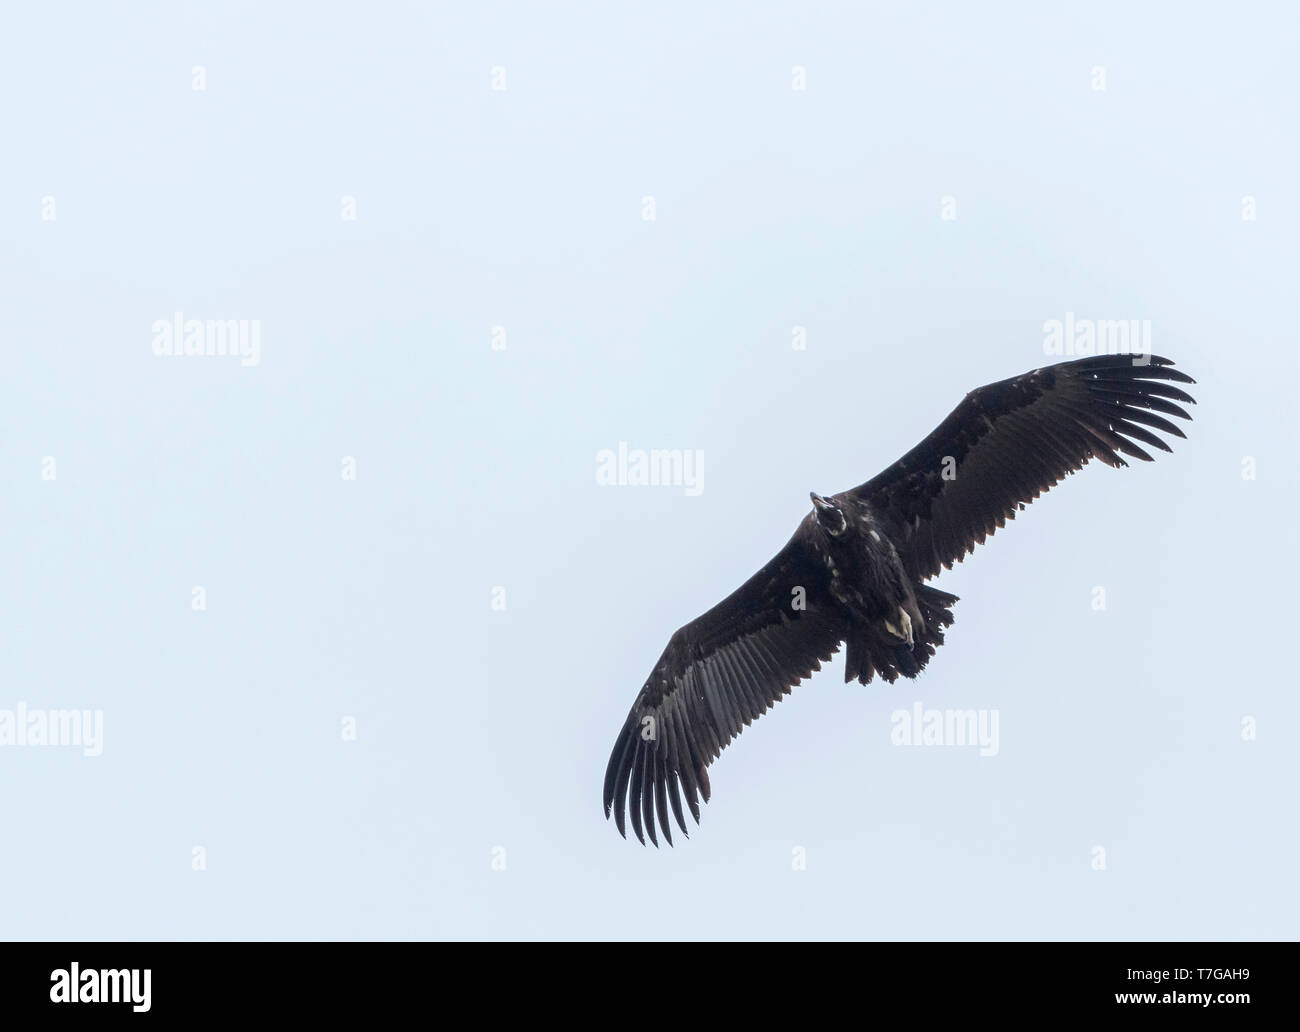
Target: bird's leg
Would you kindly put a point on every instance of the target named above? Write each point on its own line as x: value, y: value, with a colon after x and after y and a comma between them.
x: 903, y: 632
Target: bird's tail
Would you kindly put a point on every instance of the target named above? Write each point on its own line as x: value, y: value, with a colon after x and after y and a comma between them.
x: 879, y: 650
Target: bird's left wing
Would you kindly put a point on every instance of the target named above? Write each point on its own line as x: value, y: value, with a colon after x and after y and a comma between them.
x: 1010, y: 441
x: 719, y: 673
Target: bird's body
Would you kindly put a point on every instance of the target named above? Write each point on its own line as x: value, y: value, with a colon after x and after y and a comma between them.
x: 854, y: 572
x: 885, y: 612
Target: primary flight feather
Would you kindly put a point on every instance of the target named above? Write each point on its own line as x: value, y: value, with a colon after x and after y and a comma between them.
x: 853, y: 573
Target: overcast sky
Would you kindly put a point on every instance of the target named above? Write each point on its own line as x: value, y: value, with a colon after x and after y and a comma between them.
x: 359, y: 619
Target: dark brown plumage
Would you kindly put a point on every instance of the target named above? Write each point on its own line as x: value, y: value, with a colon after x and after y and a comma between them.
x: 854, y: 570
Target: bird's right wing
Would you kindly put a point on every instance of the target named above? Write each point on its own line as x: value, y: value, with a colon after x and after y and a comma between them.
x: 1010, y: 441
x: 717, y: 674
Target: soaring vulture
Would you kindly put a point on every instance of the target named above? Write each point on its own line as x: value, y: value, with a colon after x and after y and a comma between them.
x: 854, y: 572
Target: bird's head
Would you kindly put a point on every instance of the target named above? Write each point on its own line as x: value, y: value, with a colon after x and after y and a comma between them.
x: 829, y: 515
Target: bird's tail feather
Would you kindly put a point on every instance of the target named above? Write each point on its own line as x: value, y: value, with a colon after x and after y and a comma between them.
x: 876, y: 651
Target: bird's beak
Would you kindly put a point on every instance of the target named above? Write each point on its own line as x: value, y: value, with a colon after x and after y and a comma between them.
x: 819, y: 501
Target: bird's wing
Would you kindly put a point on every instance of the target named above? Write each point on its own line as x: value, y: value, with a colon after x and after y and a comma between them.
x: 1007, y: 443
x: 717, y: 674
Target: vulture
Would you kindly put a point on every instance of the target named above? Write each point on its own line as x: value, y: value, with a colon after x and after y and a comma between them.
x: 854, y: 574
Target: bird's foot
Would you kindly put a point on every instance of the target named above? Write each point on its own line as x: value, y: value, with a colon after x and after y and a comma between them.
x: 903, y: 629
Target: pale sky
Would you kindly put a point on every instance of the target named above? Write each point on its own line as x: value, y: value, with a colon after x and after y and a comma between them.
x: 338, y: 733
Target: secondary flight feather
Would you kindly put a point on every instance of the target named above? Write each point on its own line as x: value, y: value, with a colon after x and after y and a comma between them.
x: 854, y: 572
